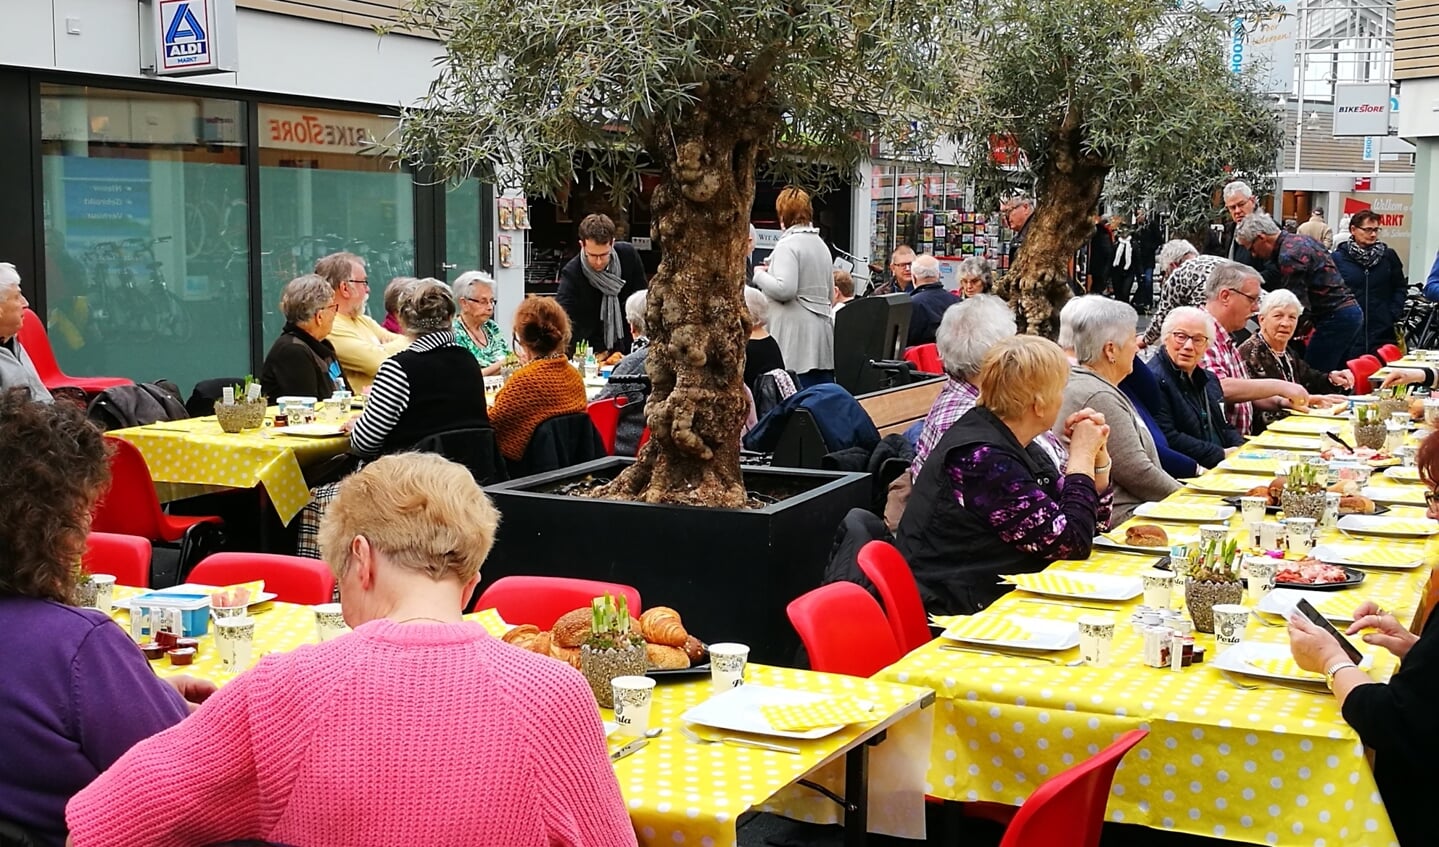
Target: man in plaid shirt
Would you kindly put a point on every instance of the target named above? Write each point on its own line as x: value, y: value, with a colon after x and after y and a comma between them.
x: 1231, y: 296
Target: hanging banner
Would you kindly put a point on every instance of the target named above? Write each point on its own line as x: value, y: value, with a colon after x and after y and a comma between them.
x: 1361, y: 108
x: 1267, y: 44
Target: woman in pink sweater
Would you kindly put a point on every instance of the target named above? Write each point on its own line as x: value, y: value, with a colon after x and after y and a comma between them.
x: 417, y: 728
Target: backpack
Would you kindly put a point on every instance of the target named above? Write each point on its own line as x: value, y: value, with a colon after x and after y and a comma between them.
x: 137, y: 405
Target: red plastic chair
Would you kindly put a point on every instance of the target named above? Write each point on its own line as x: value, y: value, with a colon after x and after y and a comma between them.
x: 1390, y: 353
x: 890, y: 573
x: 541, y: 600
x: 844, y: 630
x: 131, y: 507
x: 126, y: 557
x: 605, y: 415
x: 1362, y: 368
x: 37, y: 343
x: 293, y: 579
x: 925, y: 357
x: 1069, y: 809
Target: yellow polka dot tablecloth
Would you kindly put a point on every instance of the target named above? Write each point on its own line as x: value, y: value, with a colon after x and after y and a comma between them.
x: 196, y: 451
x: 1260, y: 764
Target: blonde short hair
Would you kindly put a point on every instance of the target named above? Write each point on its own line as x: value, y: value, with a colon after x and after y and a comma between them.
x: 424, y: 512
x: 1019, y: 372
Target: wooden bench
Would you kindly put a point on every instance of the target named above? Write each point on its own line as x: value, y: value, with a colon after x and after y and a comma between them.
x: 894, y: 410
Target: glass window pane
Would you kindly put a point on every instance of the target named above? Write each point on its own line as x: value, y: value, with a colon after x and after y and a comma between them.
x: 462, y: 228
x: 145, y: 234
x: 323, y: 190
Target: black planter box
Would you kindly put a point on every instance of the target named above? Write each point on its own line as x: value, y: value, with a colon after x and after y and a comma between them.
x: 728, y: 572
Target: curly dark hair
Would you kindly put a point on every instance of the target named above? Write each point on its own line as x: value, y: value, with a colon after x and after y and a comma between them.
x: 542, y: 326
x: 54, y: 465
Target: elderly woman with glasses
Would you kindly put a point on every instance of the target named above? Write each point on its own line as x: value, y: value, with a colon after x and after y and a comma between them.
x: 1105, y: 345
x: 1190, y: 411
x: 388, y: 734
x: 475, y: 327
x: 1375, y: 273
x: 1266, y: 354
x: 301, y: 362
x: 976, y: 276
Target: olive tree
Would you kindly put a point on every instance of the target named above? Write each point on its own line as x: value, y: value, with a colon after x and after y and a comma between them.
x: 1089, y: 90
x: 702, y: 93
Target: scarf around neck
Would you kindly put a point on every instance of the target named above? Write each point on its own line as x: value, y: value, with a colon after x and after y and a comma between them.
x: 1365, y: 257
x: 609, y: 283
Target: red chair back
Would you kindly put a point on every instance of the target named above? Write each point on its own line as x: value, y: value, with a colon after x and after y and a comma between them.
x: 1390, y: 353
x: 1069, y: 809
x: 126, y: 557
x: 1362, y: 368
x: 605, y: 415
x: 130, y: 507
x: 293, y: 579
x: 37, y: 343
x: 844, y: 630
x: 890, y: 573
x: 541, y: 600
x: 925, y: 357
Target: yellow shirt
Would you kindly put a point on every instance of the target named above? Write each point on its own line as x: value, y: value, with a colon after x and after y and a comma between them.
x: 361, y: 345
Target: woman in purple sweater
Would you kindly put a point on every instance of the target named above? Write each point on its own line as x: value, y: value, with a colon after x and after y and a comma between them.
x: 77, y: 693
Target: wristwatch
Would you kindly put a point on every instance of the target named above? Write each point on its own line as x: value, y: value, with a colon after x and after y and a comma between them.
x: 1333, y: 669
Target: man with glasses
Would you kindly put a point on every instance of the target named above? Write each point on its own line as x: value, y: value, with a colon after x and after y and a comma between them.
x: 1240, y: 203
x: 1230, y: 297
x: 360, y: 343
x: 901, y: 273
x: 1375, y: 274
x: 1307, y: 269
x: 1016, y: 211
x: 595, y: 284
x: 1188, y: 409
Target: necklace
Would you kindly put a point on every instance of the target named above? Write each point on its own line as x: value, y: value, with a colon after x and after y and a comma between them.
x: 475, y: 334
x: 422, y: 618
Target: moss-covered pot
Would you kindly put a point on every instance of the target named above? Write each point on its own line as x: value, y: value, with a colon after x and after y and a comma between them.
x: 1201, y: 596
x: 240, y: 416
x: 1389, y: 406
x: 601, y: 665
x: 1298, y: 504
x: 1370, y: 435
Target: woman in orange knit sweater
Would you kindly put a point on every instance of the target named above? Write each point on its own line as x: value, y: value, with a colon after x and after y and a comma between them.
x: 546, y: 386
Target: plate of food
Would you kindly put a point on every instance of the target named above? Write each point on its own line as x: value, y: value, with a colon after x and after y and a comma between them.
x: 1388, y: 526
x: 1313, y: 575
x: 1014, y: 631
x: 1184, y: 512
x: 1145, y: 538
x: 1078, y: 585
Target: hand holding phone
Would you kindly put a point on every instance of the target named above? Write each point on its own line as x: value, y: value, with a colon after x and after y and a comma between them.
x: 1305, y: 608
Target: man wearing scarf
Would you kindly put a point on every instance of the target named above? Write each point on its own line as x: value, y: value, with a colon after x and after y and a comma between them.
x: 595, y: 284
x: 1374, y: 272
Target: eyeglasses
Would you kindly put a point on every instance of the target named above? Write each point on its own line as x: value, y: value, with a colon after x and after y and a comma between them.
x: 1431, y: 498
x: 900, y: 264
x: 1367, y: 228
x: 483, y: 301
x: 1252, y: 298
x: 1183, y: 338
x: 364, y: 282
x: 335, y: 307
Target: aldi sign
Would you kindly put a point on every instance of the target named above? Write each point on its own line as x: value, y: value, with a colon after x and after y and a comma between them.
x: 193, y: 36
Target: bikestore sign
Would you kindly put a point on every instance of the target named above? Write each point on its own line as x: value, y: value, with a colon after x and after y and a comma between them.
x: 322, y: 131
x: 192, y: 37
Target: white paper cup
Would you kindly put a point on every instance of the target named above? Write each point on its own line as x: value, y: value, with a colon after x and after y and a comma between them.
x: 1158, y: 588
x: 104, y: 591
x: 1260, y: 571
x: 1231, y: 621
x: 86, y: 593
x: 1431, y: 411
x: 218, y: 612
x: 1181, y: 565
x: 1218, y: 533
x: 1299, y: 534
x: 727, y: 661
x: 1096, y: 639
x: 633, y: 696
x: 1331, y: 508
x: 329, y: 622
x: 1269, y: 533
x: 1253, y: 509
x: 235, y: 641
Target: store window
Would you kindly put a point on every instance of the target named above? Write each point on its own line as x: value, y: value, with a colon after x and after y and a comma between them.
x: 145, y: 234
x: 462, y: 228
x: 324, y: 189
x: 933, y: 211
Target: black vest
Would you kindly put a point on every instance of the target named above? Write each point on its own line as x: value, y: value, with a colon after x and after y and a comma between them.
x: 956, y: 556
x: 447, y: 391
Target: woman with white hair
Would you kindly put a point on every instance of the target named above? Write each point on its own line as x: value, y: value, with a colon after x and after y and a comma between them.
x: 16, y: 369
x: 1190, y: 410
x: 1266, y: 354
x: 301, y: 362
x: 475, y: 327
x: 976, y: 276
x: 1103, y: 335
x: 628, y: 379
x: 761, y: 352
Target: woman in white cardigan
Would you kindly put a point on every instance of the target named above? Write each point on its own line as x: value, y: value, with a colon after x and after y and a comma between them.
x: 798, y: 280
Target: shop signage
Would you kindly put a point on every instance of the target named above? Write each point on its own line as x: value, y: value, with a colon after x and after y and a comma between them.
x: 1265, y: 45
x: 191, y: 37
x: 1395, y: 213
x: 322, y: 130
x: 1361, y: 108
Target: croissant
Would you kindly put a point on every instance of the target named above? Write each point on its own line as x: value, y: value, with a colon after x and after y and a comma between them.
x: 573, y: 628
x: 521, y: 636
x: 664, y: 630
x: 656, y: 612
x: 542, y: 644
x: 666, y: 658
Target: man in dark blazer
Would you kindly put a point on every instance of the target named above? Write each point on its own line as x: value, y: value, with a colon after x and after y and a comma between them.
x: 595, y: 284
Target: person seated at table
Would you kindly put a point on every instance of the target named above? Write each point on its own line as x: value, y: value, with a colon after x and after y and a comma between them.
x: 761, y: 351
x: 1266, y: 355
x: 416, y: 728
x: 1394, y: 719
x: 1189, y: 411
x: 546, y: 384
x: 76, y: 693
x: 360, y: 343
x: 989, y: 501
x: 1105, y: 347
x: 1182, y: 286
x: 475, y: 327
x: 301, y: 362
x: 392, y: 302
x: 16, y: 368
x: 632, y: 367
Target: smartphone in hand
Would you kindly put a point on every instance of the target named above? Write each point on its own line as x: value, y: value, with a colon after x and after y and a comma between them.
x: 1307, y: 610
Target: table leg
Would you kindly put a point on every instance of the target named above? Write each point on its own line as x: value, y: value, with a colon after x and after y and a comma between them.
x: 856, y: 785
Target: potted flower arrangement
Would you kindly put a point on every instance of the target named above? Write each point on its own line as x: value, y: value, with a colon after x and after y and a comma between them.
x: 246, y: 411
x: 1393, y: 399
x: 1213, y: 580
x: 1368, y: 426
x: 612, y: 648
x: 1303, y: 494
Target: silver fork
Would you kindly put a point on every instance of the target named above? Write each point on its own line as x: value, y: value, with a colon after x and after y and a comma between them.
x: 1264, y: 620
x: 738, y: 742
x: 1251, y: 686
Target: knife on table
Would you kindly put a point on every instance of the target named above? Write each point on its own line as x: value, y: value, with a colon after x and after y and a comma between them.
x: 633, y: 747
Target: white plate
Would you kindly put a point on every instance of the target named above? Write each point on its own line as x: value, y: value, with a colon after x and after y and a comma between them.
x: 1409, y: 495
x: 313, y: 430
x: 1339, y: 554
x: 1402, y: 474
x: 1047, y: 635
x: 1236, y: 660
x: 1281, y: 601
x: 1157, y: 511
x: 1107, y: 542
x: 189, y: 588
x: 1397, y: 527
x: 738, y: 710
x: 1106, y: 586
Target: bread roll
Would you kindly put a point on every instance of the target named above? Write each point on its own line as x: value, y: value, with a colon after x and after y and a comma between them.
x: 573, y: 628
x: 566, y: 654
x: 1146, y: 535
x: 694, y: 649
x: 666, y: 658
x: 542, y: 643
x: 1276, y: 488
x: 1353, y: 504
